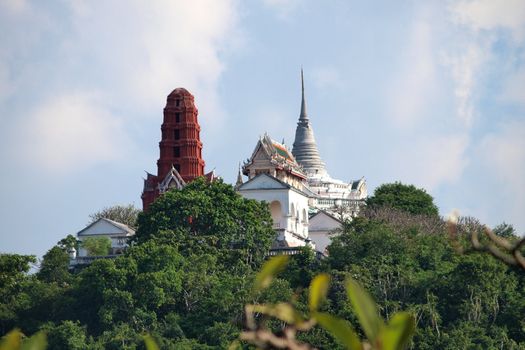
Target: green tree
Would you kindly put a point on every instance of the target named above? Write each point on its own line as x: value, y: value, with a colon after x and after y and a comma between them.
x: 125, y: 214
x: 54, y: 266
x: 68, y: 243
x: 415, y: 268
x: 506, y: 231
x: 67, y: 335
x: 13, y: 268
x: 88, y: 292
x: 210, y: 218
x: 13, y: 278
x: 403, y: 197
x: 97, y: 246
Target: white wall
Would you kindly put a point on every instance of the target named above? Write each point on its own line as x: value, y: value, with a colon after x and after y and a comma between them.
x: 265, y: 188
x: 321, y: 225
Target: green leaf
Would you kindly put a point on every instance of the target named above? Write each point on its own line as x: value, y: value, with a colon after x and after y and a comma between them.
x: 38, y: 341
x: 235, y: 345
x: 270, y: 268
x: 12, y: 340
x: 398, y: 332
x: 283, y: 311
x: 318, y: 290
x: 340, y: 329
x: 150, y: 342
x: 365, y: 309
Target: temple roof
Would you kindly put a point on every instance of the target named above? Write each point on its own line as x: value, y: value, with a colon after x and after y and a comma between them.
x: 304, y: 147
x: 282, y: 151
x: 277, y: 155
x: 122, y: 228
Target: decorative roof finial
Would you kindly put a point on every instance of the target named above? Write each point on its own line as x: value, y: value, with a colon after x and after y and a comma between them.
x: 239, y: 177
x: 303, y: 115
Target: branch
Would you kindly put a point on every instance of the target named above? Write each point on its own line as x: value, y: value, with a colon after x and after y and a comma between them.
x: 499, y: 247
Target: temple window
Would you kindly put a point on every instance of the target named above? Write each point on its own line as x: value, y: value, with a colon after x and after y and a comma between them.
x: 177, y: 134
x: 177, y: 117
x: 176, y: 151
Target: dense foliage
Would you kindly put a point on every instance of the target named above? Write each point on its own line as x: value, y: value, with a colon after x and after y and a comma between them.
x: 403, y: 197
x: 210, y: 218
x: 96, y: 246
x: 125, y: 214
x: 186, y: 279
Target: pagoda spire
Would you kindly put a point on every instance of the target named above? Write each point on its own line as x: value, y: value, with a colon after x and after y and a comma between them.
x: 304, y: 147
x: 303, y: 115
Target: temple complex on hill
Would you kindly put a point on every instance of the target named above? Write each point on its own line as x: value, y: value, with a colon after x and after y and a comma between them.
x: 305, y: 202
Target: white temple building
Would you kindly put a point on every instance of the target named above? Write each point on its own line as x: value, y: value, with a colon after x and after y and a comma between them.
x: 275, y: 177
x: 298, y: 188
x: 117, y: 232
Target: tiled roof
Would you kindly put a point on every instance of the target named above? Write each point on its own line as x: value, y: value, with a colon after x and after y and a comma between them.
x: 119, y: 225
x: 281, y: 150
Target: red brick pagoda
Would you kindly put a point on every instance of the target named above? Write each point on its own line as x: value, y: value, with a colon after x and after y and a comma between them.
x: 180, y: 158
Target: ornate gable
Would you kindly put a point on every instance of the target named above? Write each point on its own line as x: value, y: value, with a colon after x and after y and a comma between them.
x: 271, y: 157
x: 172, y: 179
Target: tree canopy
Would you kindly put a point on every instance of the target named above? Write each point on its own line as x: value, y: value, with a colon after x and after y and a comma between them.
x: 403, y: 197
x: 188, y: 275
x: 125, y: 214
x: 97, y: 246
x: 210, y: 217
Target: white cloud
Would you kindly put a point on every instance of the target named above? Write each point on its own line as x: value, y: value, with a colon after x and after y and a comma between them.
x: 71, y: 132
x: 326, y: 77
x: 413, y: 87
x: 514, y: 87
x: 15, y: 6
x: 5, y: 85
x: 465, y: 68
x: 503, y: 155
x: 132, y: 55
x: 158, y: 46
x: 481, y: 22
x: 489, y: 14
x: 283, y: 8
x: 431, y: 161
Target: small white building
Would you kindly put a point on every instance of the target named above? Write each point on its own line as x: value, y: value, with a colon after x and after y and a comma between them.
x: 323, y: 225
x: 118, y: 233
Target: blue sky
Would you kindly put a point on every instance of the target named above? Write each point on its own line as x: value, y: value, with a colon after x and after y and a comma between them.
x: 425, y: 92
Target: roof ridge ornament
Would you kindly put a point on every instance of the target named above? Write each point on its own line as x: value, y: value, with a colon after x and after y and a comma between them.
x: 239, y: 178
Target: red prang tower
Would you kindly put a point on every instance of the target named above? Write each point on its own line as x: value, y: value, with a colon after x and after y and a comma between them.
x: 180, y: 158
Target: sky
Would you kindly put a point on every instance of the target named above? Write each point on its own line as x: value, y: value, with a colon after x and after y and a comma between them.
x: 430, y: 93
